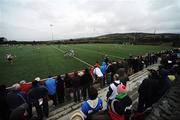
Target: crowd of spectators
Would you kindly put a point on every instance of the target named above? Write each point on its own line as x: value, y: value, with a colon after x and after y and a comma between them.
x: 16, y: 103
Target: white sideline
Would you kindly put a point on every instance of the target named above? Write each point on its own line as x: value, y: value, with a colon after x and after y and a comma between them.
x: 74, y: 57
x: 101, y: 53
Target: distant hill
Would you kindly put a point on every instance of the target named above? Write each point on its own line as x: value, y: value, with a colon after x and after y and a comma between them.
x: 132, y: 38
x: 120, y: 38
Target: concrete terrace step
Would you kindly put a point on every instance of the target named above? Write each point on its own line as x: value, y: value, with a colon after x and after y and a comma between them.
x: 65, y: 112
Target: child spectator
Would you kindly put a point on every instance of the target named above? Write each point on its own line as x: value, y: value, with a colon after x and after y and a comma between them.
x: 120, y: 107
x: 111, y: 94
x: 93, y: 105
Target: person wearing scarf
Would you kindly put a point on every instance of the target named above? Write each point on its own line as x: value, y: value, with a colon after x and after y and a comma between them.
x: 120, y: 107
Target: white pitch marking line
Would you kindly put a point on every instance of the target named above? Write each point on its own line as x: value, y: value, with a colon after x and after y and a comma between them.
x: 101, y: 53
x: 74, y: 57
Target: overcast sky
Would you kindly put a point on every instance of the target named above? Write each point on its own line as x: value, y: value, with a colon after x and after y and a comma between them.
x: 31, y: 19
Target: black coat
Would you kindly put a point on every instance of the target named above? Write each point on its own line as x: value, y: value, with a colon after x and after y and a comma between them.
x: 60, y: 88
x: 37, y: 93
x: 16, y: 98
x: 68, y: 82
x: 4, y: 109
x: 149, y: 92
x: 120, y: 105
x: 86, y: 79
x: 76, y: 82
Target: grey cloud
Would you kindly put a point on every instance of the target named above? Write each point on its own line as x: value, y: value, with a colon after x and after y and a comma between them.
x: 161, y: 4
x: 30, y: 19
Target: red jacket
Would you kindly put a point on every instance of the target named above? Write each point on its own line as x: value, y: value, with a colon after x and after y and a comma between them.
x: 25, y: 87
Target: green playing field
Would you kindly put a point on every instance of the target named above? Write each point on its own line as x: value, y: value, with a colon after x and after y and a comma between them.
x: 43, y: 60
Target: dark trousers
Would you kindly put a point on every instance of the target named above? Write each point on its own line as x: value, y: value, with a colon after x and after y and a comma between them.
x: 104, y: 80
x: 53, y: 98
x: 60, y: 95
x: 68, y: 92
x: 40, y: 109
x: 85, y: 90
x: 100, y: 80
x: 76, y: 94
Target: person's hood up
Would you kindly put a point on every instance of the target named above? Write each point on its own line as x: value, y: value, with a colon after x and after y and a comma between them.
x: 93, y: 103
x: 103, y: 64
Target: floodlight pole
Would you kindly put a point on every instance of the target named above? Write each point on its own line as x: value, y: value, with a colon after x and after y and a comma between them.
x: 154, y: 33
x: 51, y: 26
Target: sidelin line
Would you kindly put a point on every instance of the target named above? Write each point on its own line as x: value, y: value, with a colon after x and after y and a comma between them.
x: 74, y: 57
x: 101, y: 53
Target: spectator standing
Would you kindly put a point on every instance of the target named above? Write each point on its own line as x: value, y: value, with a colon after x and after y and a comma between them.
x: 86, y: 82
x: 149, y: 91
x: 4, y: 109
x: 125, y: 65
x: 17, y: 99
x: 76, y: 87
x: 130, y: 63
x: 20, y: 113
x: 39, y: 98
x: 164, y: 81
x: 122, y: 76
x: 106, y: 59
x: 103, y: 70
x: 60, y: 89
x: 97, y: 64
x: 50, y: 84
x: 68, y: 86
x: 24, y: 86
x: 112, y: 92
x: 146, y: 62
x: 98, y: 75
x: 112, y: 68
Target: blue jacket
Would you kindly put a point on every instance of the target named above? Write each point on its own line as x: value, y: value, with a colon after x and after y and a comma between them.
x: 103, y: 68
x: 50, y: 84
x: 91, y: 106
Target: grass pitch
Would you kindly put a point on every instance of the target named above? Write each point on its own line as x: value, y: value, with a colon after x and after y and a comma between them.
x: 43, y: 60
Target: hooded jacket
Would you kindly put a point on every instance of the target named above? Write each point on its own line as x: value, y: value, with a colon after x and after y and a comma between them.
x: 103, y: 68
x: 91, y: 106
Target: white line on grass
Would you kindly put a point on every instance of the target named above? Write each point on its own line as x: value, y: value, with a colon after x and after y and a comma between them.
x: 74, y: 57
x: 101, y: 53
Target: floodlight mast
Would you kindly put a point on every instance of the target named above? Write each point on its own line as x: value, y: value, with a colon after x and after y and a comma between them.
x: 154, y: 34
x: 51, y: 26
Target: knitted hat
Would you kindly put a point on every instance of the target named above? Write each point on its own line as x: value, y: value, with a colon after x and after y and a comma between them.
x: 121, y: 88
